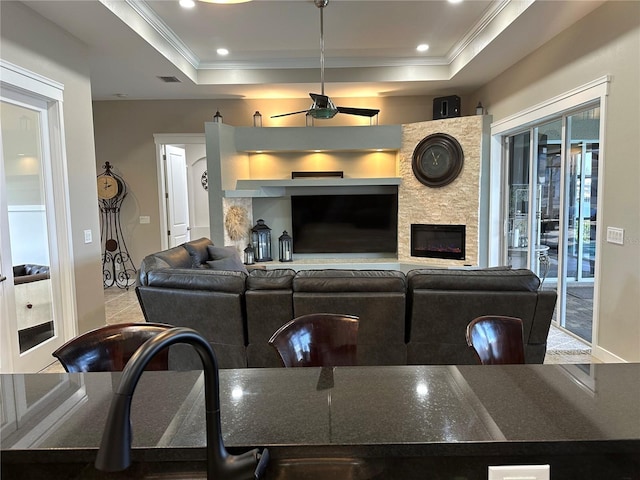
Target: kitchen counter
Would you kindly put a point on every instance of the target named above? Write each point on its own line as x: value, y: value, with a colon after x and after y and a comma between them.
x: 455, y: 420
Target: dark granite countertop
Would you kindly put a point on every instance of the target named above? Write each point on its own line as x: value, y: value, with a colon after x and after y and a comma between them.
x: 390, y: 411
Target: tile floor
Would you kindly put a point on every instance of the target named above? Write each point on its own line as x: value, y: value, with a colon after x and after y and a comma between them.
x: 122, y: 306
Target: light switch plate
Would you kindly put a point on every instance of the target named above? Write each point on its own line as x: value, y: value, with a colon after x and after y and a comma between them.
x: 615, y: 235
x: 87, y: 236
x: 519, y: 472
x: 145, y: 219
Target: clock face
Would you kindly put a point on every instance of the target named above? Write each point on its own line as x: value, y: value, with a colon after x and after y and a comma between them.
x: 107, y: 187
x: 437, y: 160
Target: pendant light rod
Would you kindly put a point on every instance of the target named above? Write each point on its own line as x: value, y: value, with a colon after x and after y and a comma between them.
x: 321, y: 4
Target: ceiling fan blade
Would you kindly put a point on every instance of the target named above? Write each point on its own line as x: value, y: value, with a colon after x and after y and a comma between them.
x: 290, y: 113
x: 363, y: 112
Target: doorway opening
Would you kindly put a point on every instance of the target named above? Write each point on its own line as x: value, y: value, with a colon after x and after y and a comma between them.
x: 182, y: 188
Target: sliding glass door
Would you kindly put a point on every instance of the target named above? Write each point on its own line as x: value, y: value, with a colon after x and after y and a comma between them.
x: 552, y: 186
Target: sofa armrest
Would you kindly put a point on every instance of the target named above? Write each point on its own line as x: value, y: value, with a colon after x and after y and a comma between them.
x: 543, y: 316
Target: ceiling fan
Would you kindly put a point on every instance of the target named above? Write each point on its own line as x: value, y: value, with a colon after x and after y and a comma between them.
x: 323, y: 107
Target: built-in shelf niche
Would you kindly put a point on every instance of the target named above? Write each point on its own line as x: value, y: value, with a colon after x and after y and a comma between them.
x: 256, y: 163
x: 280, y: 188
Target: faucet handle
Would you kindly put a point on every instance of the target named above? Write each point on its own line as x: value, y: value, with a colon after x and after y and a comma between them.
x: 263, y: 460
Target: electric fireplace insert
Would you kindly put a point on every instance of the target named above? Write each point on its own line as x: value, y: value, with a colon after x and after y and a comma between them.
x: 438, y: 241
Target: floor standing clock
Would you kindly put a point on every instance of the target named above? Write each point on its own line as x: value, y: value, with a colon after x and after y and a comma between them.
x: 117, y: 266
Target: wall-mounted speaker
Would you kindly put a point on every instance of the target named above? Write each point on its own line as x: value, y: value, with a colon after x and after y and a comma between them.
x: 446, y: 107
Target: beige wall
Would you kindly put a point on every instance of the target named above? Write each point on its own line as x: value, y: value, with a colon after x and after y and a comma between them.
x: 606, y: 42
x: 124, y: 137
x: 38, y: 45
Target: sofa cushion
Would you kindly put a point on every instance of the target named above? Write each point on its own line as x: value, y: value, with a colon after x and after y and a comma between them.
x: 198, y: 251
x: 278, y: 279
x: 229, y: 263
x: 485, y: 279
x: 176, y: 257
x: 28, y: 273
x: 330, y: 280
x: 190, y: 279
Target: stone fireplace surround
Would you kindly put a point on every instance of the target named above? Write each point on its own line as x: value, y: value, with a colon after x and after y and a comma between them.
x: 460, y: 202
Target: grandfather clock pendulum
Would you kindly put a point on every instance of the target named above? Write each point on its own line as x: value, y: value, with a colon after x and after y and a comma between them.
x: 117, y: 266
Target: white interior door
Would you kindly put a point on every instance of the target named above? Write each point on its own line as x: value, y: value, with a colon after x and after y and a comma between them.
x: 177, y: 195
x: 31, y: 325
x: 198, y: 192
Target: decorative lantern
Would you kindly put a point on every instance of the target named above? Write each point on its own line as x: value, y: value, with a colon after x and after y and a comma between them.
x: 261, y: 241
x: 248, y: 255
x: 257, y: 119
x: 479, y: 109
x: 217, y: 118
x: 285, y: 247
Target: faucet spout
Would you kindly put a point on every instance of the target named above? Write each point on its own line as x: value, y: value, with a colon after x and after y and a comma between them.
x: 115, y: 449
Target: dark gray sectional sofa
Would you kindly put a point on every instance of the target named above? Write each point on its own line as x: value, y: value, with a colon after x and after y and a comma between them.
x: 414, y: 318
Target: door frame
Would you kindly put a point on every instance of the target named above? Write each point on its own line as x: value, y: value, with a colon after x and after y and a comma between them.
x: 17, y: 80
x: 559, y: 106
x: 162, y: 139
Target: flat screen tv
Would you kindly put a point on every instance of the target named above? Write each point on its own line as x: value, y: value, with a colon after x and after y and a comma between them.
x: 345, y: 223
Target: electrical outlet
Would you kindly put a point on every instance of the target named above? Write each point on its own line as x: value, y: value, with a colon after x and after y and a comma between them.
x: 615, y: 235
x: 519, y: 472
x: 88, y: 238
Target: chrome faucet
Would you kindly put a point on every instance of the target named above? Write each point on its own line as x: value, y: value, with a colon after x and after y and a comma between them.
x: 115, y: 449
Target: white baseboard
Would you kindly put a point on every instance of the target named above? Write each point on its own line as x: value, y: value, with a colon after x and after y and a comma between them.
x: 606, y: 356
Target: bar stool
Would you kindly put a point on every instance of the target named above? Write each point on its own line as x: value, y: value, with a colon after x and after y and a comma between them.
x: 109, y: 348
x: 496, y: 339
x: 317, y: 340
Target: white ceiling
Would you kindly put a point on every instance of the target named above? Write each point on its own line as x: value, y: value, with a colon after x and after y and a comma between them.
x: 370, y: 45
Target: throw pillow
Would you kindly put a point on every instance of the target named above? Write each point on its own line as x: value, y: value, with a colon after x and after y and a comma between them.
x: 218, y: 253
x: 230, y: 263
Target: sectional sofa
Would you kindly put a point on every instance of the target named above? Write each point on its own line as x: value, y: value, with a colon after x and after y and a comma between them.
x: 414, y: 318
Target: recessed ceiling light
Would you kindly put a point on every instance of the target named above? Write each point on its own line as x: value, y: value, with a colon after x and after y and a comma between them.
x: 423, y: 47
x: 455, y: 1
x: 222, y: 51
x: 187, y: 3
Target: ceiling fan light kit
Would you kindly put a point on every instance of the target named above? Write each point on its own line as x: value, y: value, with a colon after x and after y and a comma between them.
x: 323, y: 108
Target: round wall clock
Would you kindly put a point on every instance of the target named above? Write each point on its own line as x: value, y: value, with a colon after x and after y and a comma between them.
x: 437, y: 160
x: 108, y: 187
